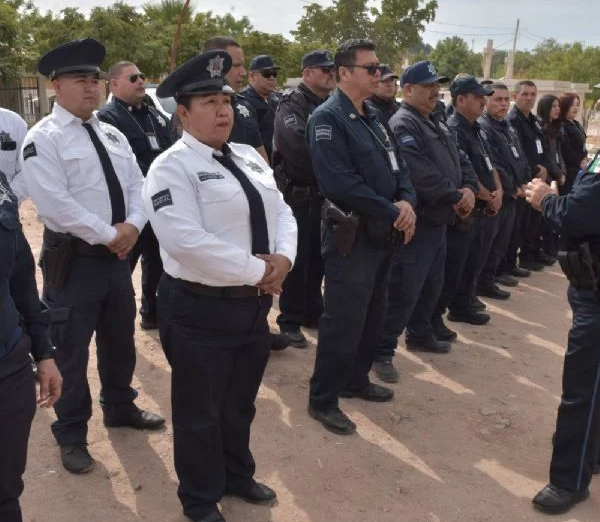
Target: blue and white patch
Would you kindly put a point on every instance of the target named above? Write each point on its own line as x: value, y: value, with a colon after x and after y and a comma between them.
x: 407, y: 140
x: 323, y: 132
x: 205, y: 176
x: 29, y: 151
x: 290, y: 120
x: 161, y: 199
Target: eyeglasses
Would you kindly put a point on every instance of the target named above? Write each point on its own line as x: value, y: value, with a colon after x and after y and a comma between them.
x: 269, y: 74
x: 372, y: 70
x: 134, y: 77
x: 326, y: 70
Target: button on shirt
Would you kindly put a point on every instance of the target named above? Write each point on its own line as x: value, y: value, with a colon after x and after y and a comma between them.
x: 200, y: 214
x: 12, y: 133
x: 66, y: 182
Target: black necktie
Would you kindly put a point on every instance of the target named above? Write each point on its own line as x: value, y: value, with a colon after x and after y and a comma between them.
x: 258, y: 218
x: 115, y: 191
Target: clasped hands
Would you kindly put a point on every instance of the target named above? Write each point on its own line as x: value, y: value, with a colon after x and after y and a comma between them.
x: 277, y: 268
x: 406, y: 220
x: 466, y: 203
x: 124, y: 241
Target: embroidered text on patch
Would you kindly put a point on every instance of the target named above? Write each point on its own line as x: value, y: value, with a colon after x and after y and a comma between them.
x: 205, y: 176
x: 29, y: 151
x: 323, y: 132
x: 161, y: 199
x: 407, y: 139
x: 290, y: 119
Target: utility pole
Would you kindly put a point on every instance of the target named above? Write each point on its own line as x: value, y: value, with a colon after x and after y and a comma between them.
x: 510, y: 61
x: 488, y: 54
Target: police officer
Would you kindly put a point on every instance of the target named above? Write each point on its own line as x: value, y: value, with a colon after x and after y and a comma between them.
x: 262, y: 96
x: 370, y: 196
x: 12, y: 133
x: 468, y: 247
x: 228, y: 241
x: 446, y: 185
x: 23, y: 330
x: 577, y: 440
x: 384, y: 99
x: 146, y: 130
x: 86, y: 185
x: 301, y: 302
x: 529, y: 129
x: 509, y: 159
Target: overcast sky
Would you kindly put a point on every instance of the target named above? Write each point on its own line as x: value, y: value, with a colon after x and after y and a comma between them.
x: 474, y: 20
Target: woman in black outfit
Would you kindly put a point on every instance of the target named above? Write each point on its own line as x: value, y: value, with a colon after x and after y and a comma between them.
x: 572, y: 139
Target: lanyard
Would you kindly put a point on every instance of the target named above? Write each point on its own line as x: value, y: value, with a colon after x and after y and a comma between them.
x: 136, y: 122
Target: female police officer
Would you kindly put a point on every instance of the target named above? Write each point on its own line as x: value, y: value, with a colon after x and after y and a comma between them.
x: 218, y: 215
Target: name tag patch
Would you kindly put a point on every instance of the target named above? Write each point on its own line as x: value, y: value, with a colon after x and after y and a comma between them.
x: 161, y: 199
x: 29, y: 151
x: 8, y: 145
x: 323, y: 132
x: 205, y: 176
x: 289, y: 120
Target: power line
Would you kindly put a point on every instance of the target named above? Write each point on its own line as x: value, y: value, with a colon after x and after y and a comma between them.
x: 470, y: 26
x: 484, y: 35
x: 535, y: 35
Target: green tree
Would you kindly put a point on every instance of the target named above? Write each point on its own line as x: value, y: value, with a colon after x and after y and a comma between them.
x: 452, y: 56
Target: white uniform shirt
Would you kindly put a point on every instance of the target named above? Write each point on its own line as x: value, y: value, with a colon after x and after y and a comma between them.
x: 201, y: 217
x: 12, y: 133
x: 66, y: 182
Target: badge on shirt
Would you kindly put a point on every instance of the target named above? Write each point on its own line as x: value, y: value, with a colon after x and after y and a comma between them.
x: 515, y: 151
x: 289, y: 120
x: 323, y: 132
x: 6, y: 142
x: 161, y: 199
x: 558, y: 158
x: 488, y: 163
x: 243, y: 110
x: 112, y: 137
x: 153, y: 142
x: 538, y: 144
x: 255, y: 167
x: 161, y: 120
x: 29, y: 151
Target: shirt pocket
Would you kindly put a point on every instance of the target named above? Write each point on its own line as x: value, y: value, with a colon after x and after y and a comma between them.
x: 82, y: 166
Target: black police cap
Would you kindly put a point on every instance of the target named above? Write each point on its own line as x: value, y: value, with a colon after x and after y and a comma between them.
x: 387, y: 73
x: 204, y: 74
x: 316, y: 59
x: 468, y: 85
x: 72, y: 58
x: 263, y: 62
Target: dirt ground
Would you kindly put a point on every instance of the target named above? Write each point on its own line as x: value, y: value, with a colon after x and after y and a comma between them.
x: 466, y: 439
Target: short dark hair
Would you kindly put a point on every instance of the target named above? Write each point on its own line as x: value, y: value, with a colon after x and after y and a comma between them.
x: 185, y: 100
x: 498, y: 86
x: 117, y: 68
x: 523, y: 83
x: 345, y: 54
x: 219, y: 42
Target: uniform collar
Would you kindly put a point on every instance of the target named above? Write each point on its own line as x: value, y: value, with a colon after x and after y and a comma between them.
x: 204, y: 150
x: 317, y: 100
x: 131, y: 108
x: 65, y: 117
x: 463, y: 122
x: 349, y: 107
x: 494, y: 121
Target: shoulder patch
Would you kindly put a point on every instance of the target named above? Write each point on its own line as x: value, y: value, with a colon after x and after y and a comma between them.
x: 205, y: 176
x: 161, y: 199
x: 29, y: 151
x: 323, y: 132
x: 289, y: 120
x: 407, y: 140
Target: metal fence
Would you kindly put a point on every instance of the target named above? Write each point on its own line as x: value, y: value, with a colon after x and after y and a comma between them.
x: 21, y: 96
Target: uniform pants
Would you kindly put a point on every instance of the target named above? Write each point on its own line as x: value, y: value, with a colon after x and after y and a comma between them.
x: 355, y: 299
x: 218, y: 350
x: 301, y: 300
x: 99, y: 294
x: 17, y: 407
x: 577, y: 444
x: 147, y: 248
x: 416, y: 280
x: 531, y: 234
x: 505, y: 223
x: 509, y: 262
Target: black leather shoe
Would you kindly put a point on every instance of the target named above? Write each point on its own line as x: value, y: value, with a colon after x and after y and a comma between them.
x: 213, y: 516
x: 517, y: 271
x: 385, y: 370
x: 372, y: 393
x: 440, y: 331
x: 506, y: 280
x: 296, y: 337
x: 334, y: 420
x: 476, y: 318
x: 147, y: 324
x: 432, y: 345
x: 477, y: 304
x: 313, y: 324
x: 555, y: 501
x: 531, y: 265
x: 493, y: 292
x: 139, y: 420
x: 255, y: 493
x: 545, y: 259
x: 278, y: 342
x: 76, y: 459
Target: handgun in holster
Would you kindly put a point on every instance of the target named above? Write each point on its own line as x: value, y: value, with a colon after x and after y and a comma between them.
x: 343, y: 225
x: 56, y: 258
x: 581, y: 267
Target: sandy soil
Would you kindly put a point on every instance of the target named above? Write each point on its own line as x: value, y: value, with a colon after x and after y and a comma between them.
x: 467, y: 438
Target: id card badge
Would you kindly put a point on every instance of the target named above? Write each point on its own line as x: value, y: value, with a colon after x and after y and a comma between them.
x: 557, y: 159
x: 392, y: 159
x: 514, y: 151
x: 538, y: 144
x: 488, y: 163
x: 153, y: 142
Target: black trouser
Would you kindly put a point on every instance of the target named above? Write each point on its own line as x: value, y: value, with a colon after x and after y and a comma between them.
x: 509, y: 262
x: 218, y: 350
x: 355, y: 301
x: 577, y: 444
x: 416, y: 280
x: 17, y: 407
x: 301, y: 300
x: 505, y: 223
x: 99, y: 294
x: 531, y: 234
x: 152, y: 268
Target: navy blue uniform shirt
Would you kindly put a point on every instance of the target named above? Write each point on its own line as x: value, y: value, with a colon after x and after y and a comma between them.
x: 438, y: 168
x: 136, y: 124
x: 387, y: 108
x: 265, y: 115
x: 19, y: 298
x: 245, y: 125
x: 572, y: 141
x: 530, y: 134
x: 351, y: 162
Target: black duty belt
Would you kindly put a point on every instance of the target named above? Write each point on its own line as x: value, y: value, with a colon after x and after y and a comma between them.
x: 84, y: 249
x: 224, y: 292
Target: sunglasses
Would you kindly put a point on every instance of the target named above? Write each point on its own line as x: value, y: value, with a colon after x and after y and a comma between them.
x: 134, y: 77
x: 269, y: 74
x: 326, y: 70
x: 371, y: 69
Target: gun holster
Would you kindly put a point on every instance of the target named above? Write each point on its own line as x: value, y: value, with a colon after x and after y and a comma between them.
x: 581, y: 267
x: 382, y: 234
x: 56, y: 258
x: 343, y: 226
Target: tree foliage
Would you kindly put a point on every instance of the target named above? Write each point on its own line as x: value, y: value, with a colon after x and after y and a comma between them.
x: 452, y: 56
